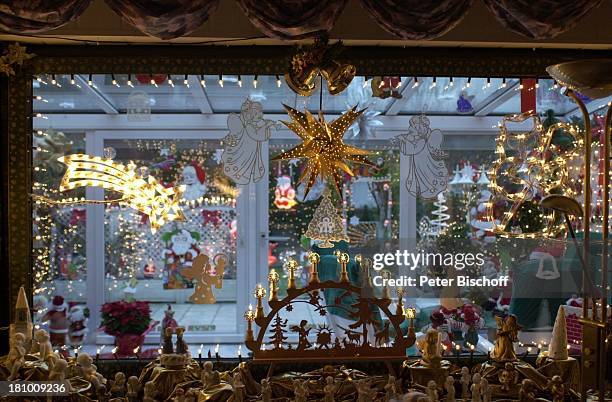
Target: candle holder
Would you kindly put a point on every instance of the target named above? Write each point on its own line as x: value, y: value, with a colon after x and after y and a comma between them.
x: 400, y: 301
x: 314, y: 259
x: 260, y: 293
x: 386, y: 294
x: 343, y: 259
x: 291, y: 266
x: 249, y: 316
x: 273, y: 279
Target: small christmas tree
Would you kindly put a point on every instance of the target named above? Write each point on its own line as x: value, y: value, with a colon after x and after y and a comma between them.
x: 278, y: 332
x: 439, y: 223
x: 326, y: 224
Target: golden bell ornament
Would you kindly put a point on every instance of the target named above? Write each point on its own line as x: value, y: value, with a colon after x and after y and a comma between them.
x: 302, y: 80
x: 338, y: 76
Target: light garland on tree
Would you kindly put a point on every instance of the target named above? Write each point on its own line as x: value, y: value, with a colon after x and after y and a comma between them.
x: 531, y: 171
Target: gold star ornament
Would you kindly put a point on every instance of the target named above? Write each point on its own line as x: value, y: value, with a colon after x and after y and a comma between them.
x: 322, y: 145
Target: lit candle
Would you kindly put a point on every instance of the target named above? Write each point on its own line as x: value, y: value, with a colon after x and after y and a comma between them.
x: 240, y: 353
x: 400, y: 301
x: 343, y: 259
x: 457, y: 350
x: 314, y: 259
x: 200, y: 354
x: 291, y: 265
x: 260, y: 293
x: 273, y: 279
x: 114, y: 351
x: 472, y: 348
x: 97, y: 355
x: 249, y: 316
x: 217, y: 352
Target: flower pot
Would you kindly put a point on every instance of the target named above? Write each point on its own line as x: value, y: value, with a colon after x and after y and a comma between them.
x: 127, y: 343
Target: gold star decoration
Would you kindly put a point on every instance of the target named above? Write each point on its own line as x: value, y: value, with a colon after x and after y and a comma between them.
x: 322, y: 145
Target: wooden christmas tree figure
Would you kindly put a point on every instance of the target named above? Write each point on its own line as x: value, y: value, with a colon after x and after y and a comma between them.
x: 278, y: 332
x: 558, y: 341
x: 326, y: 225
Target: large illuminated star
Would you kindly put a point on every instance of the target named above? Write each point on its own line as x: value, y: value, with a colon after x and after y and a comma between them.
x: 322, y: 145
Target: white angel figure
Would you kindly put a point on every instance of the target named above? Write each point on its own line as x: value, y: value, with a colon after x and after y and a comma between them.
x: 242, y: 160
x: 427, y: 173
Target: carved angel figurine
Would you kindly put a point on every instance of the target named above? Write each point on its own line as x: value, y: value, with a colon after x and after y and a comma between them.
x: 181, y: 345
x: 133, y: 388
x: 465, y: 382
x: 475, y: 388
x: 89, y: 370
x: 266, y: 391
x: 432, y: 391
x: 43, y: 346
x: 365, y: 393
x: 430, y: 348
x: 507, y: 334
x: 329, y: 389
x: 16, y: 355
x: 507, y: 377
x: 117, y: 389
x: 300, y: 391
x: 239, y: 387
x: 485, y: 390
x: 449, y: 387
x: 427, y: 174
x: 527, y: 392
x: 390, y: 389
x: 58, y: 372
x: 557, y: 388
x: 149, y: 392
x: 242, y: 159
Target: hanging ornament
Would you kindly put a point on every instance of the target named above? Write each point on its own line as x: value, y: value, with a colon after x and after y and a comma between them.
x: 242, y: 160
x: 15, y: 55
x: 326, y: 224
x: 427, y: 175
x: 149, y: 197
x: 315, y: 59
x: 326, y: 153
x: 284, y: 194
x: 529, y: 167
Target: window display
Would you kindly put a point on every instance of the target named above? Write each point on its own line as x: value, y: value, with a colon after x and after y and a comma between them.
x: 247, y: 188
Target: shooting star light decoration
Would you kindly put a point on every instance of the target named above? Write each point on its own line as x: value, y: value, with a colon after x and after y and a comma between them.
x: 322, y: 145
x: 145, y: 195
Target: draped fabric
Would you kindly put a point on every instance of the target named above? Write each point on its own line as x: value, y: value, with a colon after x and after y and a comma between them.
x: 417, y: 19
x: 35, y: 16
x: 292, y: 19
x: 298, y: 19
x: 540, y: 19
x: 167, y: 19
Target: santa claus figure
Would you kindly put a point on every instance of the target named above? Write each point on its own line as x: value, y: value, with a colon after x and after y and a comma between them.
x: 183, y: 249
x: 58, y: 321
x: 194, y: 180
x: 284, y: 194
x: 77, y: 317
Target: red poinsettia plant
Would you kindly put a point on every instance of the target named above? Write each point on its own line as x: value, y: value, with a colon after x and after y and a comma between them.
x: 123, y: 317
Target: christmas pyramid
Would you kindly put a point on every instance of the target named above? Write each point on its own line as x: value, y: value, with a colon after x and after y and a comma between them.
x: 558, y: 342
x: 326, y: 225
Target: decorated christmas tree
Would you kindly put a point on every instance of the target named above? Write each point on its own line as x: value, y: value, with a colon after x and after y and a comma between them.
x: 326, y: 224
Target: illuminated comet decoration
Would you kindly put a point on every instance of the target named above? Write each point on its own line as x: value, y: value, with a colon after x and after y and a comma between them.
x: 322, y: 145
x: 147, y: 196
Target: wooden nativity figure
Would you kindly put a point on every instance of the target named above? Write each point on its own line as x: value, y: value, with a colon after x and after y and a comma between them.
x: 205, y: 277
x: 507, y: 334
x: 16, y: 355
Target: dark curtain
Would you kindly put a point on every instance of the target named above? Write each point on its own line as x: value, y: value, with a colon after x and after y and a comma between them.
x: 292, y: 19
x: 167, y: 19
x: 417, y: 19
x: 540, y: 19
x: 35, y: 16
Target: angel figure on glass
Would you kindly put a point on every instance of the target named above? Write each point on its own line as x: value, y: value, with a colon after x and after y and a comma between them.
x: 427, y: 175
x: 242, y: 159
